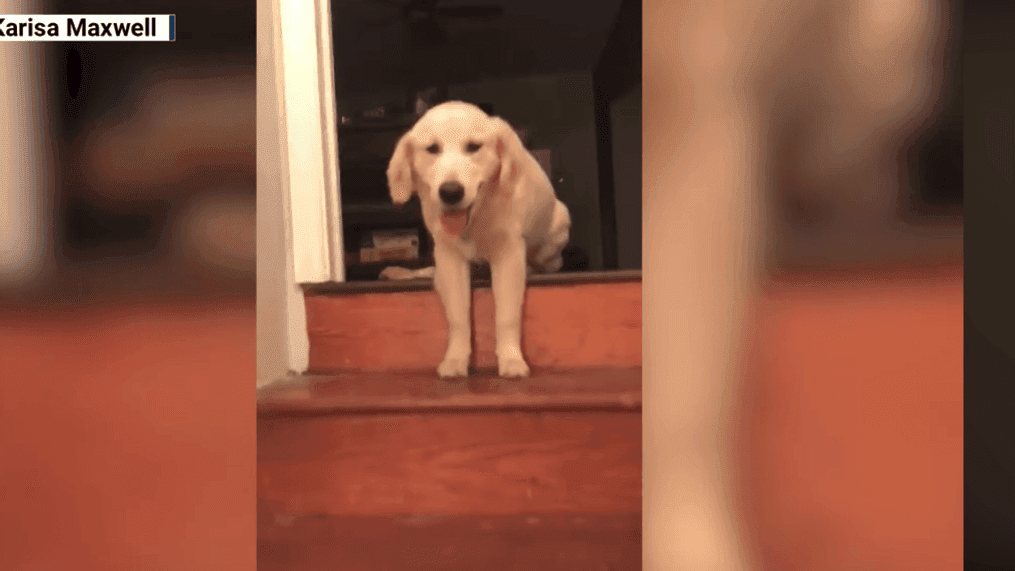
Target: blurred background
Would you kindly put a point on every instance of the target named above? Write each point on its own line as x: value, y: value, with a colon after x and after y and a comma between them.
x: 149, y: 159
x: 146, y: 157
x: 127, y: 328
x: 396, y: 58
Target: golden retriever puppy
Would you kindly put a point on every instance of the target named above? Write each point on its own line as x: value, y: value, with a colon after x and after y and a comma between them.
x: 484, y: 199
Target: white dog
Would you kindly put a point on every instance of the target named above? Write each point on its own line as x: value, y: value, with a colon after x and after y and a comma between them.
x: 484, y: 199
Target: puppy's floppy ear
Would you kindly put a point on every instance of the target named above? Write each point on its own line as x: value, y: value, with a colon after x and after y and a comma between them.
x: 401, y: 178
x: 510, y: 152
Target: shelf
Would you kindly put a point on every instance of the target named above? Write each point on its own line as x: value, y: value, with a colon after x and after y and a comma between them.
x: 352, y: 260
x: 381, y: 214
x: 365, y: 127
x: 380, y: 208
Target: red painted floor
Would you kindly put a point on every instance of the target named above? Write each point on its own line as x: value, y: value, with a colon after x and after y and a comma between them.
x: 128, y: 433
x: 128, y: 437
x: 855, y: 424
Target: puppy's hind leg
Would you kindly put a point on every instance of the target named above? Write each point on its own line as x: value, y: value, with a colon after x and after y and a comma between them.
x: 548, y: 257
x: 452, y: 280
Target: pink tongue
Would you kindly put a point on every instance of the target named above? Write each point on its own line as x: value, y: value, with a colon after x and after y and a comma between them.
x: 454, y: 222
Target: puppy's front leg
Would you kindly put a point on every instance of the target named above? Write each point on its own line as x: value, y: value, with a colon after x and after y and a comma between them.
x: 452, y: 282
x: 508, y: 279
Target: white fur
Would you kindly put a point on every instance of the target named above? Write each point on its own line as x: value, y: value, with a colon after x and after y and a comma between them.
x: 515, y: 222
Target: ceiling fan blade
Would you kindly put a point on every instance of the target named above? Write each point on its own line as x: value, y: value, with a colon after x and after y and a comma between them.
x: 470, y: 11
x: 419, y: 9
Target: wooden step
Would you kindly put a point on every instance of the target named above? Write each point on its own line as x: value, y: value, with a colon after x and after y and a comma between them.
x: 560, y: 390
x: 402, y: 470
x: 586, y: 542
x: 589, y: 319
x: 482, y: 463
x: 403, y: 443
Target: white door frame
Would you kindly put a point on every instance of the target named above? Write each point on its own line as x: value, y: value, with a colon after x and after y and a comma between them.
x: 299, y: 210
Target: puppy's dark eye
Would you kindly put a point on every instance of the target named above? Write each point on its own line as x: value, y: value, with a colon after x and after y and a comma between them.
x: 433, y: 149
x: 473, y: 147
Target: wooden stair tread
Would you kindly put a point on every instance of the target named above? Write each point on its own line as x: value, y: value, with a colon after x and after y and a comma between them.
x: 530, y: 542
x: 422, y: 391
x: 551, y: 279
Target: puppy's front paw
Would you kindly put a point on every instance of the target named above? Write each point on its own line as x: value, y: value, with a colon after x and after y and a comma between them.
x: 453, y: 367
x: 512, y: 367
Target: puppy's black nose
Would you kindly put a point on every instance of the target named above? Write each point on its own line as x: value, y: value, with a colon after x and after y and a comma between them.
x: 451, y: 192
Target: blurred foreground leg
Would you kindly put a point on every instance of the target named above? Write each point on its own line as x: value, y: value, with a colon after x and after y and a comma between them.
x: 722, y: 81
x: 701, y: 239
x: 24, y: 179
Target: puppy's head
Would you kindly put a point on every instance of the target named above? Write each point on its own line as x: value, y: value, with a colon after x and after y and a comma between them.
x: 453, y: 157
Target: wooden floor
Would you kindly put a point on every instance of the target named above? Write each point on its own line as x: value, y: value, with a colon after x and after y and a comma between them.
x: 128, y: 437
x: 128, y: 459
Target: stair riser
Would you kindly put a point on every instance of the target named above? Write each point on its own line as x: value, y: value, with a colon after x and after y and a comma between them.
x: 585, y: 325
x: 478, y: 464
x: 455, y: 543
